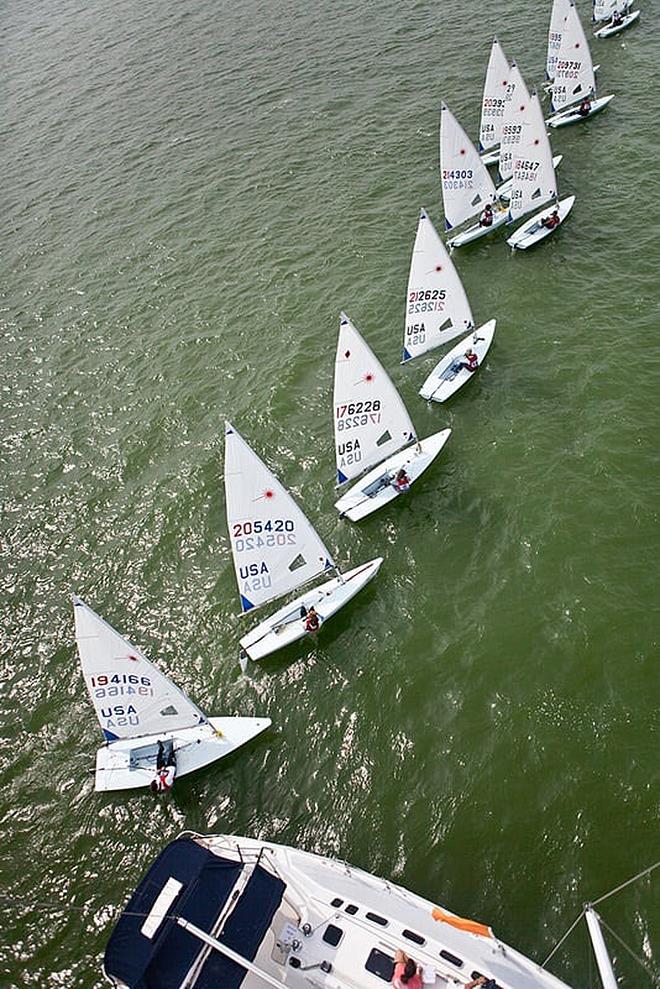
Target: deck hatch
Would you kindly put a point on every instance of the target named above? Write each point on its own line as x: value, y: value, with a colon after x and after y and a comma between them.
x: 332, y: 935
x: 380, y: 964
x: 458, y: 962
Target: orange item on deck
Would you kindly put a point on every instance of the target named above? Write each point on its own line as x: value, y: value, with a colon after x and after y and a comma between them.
x: 471, y: 926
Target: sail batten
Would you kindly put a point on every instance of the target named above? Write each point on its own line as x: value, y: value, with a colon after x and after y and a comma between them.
x: 275, y: 548
x: 466, y: 184
x: 437, y: 307
x: 130, y: 695
x: 370, y: 420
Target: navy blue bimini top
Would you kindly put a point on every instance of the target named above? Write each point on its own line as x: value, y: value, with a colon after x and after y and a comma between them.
x: 162, y: 962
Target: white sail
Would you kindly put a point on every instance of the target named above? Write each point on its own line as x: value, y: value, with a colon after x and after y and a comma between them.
x: 130, y: 696
x: 515, y: 106
x: 371, y: 421
x: 533, y: 172
x: 437, y: 308
x: 466, y: 184
x: 495, y: 96
x: 274, y: 545
x: 603, y: 9
x: 574, y: 73
x: 557, y: 18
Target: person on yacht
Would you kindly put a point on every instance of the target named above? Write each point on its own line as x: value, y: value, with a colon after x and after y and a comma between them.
x: 407, y: 974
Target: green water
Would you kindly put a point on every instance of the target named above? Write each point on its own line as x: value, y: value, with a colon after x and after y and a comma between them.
x: 191, y: 193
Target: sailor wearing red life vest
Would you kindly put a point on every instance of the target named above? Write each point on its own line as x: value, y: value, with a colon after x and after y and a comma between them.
x: 312, y: 620
x: 471, y: 360
x: 165, y: 768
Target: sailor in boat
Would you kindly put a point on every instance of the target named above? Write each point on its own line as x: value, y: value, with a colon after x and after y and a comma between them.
x: 584, y: 108
x: 401, y: 482
x: 312, y: 620
x: 486, y: 218
x: 471, y: 362
x: 407, y: 974
x: 165, y: 768
x: 552, y: 221
x: 617, y: 19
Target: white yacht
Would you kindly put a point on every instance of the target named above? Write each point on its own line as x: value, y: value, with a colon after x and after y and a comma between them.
x: 222, y: 912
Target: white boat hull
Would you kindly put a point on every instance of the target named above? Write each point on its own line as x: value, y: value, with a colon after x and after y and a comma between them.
x: 130, y: 764
x: 609, y: 30
x: 491, y: 157
x: 287, y: 625
x: 504, y: 190
x: 374, y: 490
x: 475, y: 232
x: 571, y: 115
x: 275, y: 903
x: 445, y: 378
x: 531, y: 232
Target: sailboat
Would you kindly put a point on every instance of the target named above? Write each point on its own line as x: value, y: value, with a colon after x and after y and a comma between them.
x: 451, y: 373
x: 496, y: 88
x: 557, y: 18
x: 626, y: 17
x: 373, y: 431
x: 604, y: 9
x: 466, y: 185
x: 138, y: 706
x: 230, y: 912
x: 276, y: 550
x: 518, y: 98
x: 437, y: 308
x: 574, y: 76
x: 534, y: 182
x: 511, y: 127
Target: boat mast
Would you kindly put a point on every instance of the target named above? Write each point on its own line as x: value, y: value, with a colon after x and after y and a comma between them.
x: 600, y: 950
